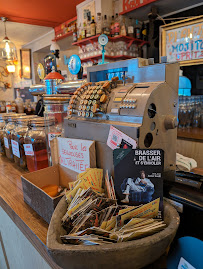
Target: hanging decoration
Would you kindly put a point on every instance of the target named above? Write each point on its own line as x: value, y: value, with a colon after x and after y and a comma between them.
x: 8, y: 50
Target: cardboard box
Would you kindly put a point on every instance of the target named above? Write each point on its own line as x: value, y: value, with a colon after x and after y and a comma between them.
x: 39, y: 200
x: 59, y: 174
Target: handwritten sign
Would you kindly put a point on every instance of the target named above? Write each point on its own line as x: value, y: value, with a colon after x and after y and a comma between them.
x: 15, y: 148
x: 6, y: 142
x: 28, y: 150
x: 76, y: 154
x: 183, y: 41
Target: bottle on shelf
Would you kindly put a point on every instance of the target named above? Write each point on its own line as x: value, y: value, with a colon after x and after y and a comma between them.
x: 99, y: 24
x: 75, y: 34
x: 123, y: 31
x: 93, y: 27
x: 117, y: 25
x: 137, y: 30
x: 112, y: 27
x: 144, y: 32
x: 88, y: 27
x: 105, y: 27
x: 80, y: 32
x: 130, y: 28
x: 19, y: 103
x: 84, y: 31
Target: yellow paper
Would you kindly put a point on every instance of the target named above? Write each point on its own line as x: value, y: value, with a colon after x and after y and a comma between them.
x: 149, y: 210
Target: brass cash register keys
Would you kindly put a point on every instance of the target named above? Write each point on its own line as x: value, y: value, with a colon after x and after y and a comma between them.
x: 103, y: 98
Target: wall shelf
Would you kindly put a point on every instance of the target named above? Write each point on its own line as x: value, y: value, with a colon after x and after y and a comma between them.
x: 63, y: 36
x: 127, y: 39
x: 99, y: 56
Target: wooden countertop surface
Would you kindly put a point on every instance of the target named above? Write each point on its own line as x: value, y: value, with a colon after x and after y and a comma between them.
x: 27, y: 220
x: 191, y: 133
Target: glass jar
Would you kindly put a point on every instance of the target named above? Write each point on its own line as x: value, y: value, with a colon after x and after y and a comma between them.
x: 55, y: 109
x: 18, y: 140
x: 2, y: 107
x: 35, y: 146
x: 2, y: 124
x: 8, y: 129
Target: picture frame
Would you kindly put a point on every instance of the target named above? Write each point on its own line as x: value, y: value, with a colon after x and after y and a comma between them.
x: 182, y: 41
x: 25, y: 59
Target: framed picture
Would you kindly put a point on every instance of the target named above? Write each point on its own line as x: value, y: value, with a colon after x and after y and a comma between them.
x: 182, y: 41
x: 25, y: 59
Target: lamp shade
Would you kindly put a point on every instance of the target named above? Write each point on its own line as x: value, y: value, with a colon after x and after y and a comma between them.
x: 11, y: 68
x: 7, y: 50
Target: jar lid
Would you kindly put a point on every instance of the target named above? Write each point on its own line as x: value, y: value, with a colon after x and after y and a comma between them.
x: 26, y: 118
x: 49, y: 98
x: 3, y: 116
x: 15, y: 116
x: 40, y: 121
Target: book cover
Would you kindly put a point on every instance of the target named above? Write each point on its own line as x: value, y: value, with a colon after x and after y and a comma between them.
x: 138, y: 176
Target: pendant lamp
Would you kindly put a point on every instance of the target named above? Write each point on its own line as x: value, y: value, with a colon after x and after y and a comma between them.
x: 8, y: 50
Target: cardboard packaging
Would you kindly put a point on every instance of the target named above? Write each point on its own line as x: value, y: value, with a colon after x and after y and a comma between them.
x: 39, y: 200
x: 59, y: 174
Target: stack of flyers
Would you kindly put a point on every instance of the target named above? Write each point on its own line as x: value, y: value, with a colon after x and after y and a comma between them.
x: 93, y: 219
x: 92, y: 177
x: 109, y: 186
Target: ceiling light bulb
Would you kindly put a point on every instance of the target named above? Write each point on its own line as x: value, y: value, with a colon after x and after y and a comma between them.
x: 7, y: 49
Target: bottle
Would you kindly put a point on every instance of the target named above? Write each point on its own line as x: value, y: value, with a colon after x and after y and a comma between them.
x: 137, y: 30
x: 93, y: 27
x: 19, y: 103
x: 79, y: 32
x: 112, y: 27
x: 84, y: 31
x: 123, y: 31
x: 88, y: 27
x: 75, y: 34
x: 130, y: 28
x: 8, y: 107
x: 99, y: 24
x: 105, y: 27
x: 144, y: 32
x: 116, y: 26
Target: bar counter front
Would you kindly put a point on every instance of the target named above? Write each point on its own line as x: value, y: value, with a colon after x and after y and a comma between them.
x: 22, y: 230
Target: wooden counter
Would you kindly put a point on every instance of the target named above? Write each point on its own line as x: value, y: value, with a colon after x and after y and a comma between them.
x: 191, y: 133
x: 25, y: 218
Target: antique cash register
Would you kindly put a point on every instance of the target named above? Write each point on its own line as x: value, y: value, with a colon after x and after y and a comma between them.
x: 135, y: 96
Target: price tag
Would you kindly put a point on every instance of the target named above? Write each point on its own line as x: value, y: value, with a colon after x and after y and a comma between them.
x: 51, y: 136
x: 28, y: 150
x: 6, y: 143
x: 15, y: 148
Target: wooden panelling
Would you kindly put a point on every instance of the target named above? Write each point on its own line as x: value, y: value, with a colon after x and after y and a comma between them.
x: 192, y: 149
x: 25, y: 218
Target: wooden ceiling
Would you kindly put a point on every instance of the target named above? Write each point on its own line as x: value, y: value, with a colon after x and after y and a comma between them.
x: 39, y: 12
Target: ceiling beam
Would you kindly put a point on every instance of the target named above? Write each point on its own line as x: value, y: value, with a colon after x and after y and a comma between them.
x: 30, y: 21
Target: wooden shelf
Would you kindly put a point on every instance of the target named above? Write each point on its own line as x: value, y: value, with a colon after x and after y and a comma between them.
x: 191, y: 133
x: 63, y: 36
x: 99, y: 56
x: 118, y: 38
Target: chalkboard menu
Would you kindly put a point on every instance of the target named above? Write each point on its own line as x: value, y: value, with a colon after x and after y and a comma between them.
x: 183, y: 41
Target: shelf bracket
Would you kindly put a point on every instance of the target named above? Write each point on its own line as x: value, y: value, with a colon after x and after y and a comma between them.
x: 130, y: 43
